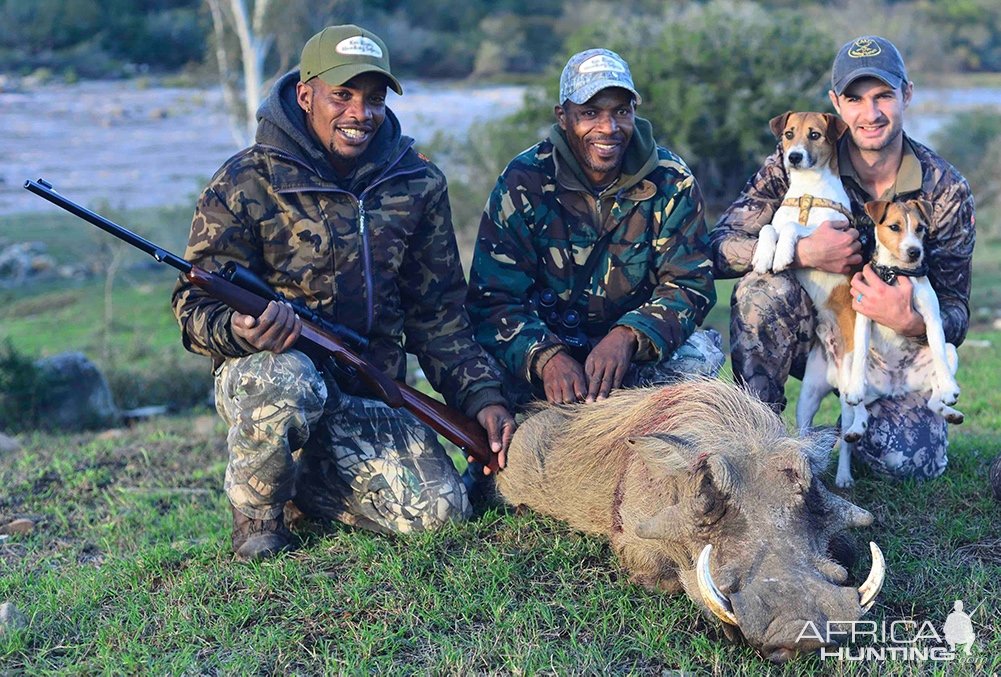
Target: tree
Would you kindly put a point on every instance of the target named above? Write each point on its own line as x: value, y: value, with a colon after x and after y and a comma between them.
x: 712, y: 76
x: 234, y: 17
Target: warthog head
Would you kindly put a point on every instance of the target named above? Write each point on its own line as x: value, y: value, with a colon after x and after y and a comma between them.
x: 700, y: 487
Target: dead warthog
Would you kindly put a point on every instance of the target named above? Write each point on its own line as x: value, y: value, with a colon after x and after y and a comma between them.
x: 701, y: 477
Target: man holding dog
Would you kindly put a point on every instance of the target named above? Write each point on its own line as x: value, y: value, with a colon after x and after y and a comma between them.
x: 772, y: 320
x: 333, y: 206
x: 591, y: 265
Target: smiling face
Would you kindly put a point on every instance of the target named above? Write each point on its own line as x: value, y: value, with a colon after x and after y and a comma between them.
x: 344, y: 118
x: 598, y: 132
x: 874, y: 112
x: 900, y: 231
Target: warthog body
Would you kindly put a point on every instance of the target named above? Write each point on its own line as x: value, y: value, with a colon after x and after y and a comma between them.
x: 666, y: 472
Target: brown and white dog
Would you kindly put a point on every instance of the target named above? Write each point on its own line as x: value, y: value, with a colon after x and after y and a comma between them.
x: 884, y: 363
x: 840, y: 356
x: 809, y: 151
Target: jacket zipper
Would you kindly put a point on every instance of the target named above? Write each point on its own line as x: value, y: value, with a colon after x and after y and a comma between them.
x: 366, y: 252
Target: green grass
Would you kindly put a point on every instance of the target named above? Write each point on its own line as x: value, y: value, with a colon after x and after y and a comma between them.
x: 128, y: 568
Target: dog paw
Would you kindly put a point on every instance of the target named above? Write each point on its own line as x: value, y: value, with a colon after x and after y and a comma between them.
x: 953, y: 416
x: 844, y: 480
x: 761, y: 263
x: 783, y: 259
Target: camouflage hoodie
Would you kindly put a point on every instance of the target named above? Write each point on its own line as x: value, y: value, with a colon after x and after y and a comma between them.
x: 540, y: 224
x: 922, y: 174
x: 374, y: 250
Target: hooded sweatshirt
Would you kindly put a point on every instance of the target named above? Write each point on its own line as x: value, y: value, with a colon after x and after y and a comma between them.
x: 542, y: 221
x: 373, y: 250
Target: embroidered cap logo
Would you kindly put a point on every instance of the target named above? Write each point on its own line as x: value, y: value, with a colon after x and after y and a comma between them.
x: 359, y: 46
x: 864, y: 47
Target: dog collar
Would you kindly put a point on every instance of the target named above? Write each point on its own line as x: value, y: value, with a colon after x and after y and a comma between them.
x: 808, y: 202
x: 889, y: 274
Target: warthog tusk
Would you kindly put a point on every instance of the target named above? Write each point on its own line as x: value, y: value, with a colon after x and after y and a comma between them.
x: 868, y: 590
x: 714, y: 599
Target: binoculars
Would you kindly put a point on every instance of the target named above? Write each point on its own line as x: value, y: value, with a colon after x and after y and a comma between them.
x: 565, y: 324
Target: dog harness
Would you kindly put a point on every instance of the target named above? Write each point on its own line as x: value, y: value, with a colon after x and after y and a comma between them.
x: 808, y: 202
x: 889, y: 274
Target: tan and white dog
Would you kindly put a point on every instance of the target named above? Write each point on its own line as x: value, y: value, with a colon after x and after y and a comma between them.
x: 884, y: 363
x: 840, y: 357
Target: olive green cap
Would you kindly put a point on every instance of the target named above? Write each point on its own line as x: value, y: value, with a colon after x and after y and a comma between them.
x: 338, y: 53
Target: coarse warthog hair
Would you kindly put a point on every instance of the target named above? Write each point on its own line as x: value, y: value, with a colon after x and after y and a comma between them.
x: 697, y: 476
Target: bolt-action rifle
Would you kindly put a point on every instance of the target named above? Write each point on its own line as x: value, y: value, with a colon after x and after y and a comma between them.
x: 454, y: 426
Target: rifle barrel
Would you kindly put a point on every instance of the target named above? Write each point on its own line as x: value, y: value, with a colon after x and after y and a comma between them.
x: 44, y: 189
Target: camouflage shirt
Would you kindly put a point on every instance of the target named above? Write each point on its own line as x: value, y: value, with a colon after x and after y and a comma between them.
x: 374, y: 251
x: 541, y: 223
x: 949, y: 244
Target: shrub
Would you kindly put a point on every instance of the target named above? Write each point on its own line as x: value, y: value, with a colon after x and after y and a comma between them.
x: 22, y: 388
x: 972, y: 142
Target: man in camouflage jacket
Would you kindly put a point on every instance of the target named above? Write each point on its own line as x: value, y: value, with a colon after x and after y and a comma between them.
x: 333, y: 207
x: 599, y: 182
x: 772, y: 320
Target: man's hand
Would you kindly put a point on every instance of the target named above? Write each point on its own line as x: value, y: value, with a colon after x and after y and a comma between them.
x: 833, y: 247
x: 563, y: 379
x: 276, y: 329
x: 500, y: 426
x: 886, y: 304
x: 608, y: 363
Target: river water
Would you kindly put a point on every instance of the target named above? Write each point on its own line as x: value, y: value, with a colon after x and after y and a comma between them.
x: 132, y: 146
x: 127, y: 145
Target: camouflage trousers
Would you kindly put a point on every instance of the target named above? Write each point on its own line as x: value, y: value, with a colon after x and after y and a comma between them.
x: 294, y: 435
x: 701, y: 355
x: 771, y: 331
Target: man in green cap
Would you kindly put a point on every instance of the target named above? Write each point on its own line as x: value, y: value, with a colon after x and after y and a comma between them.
x: 333, y: 207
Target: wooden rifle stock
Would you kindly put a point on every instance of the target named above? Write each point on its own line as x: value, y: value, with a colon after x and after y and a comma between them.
x: 454, y: 426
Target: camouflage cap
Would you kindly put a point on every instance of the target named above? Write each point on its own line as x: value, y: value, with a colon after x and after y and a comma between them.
x: 871, y: 56
x: 338, y: 53
x: 591, y: 71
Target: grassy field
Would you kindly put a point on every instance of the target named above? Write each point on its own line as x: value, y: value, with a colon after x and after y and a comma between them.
x: 128, y: 569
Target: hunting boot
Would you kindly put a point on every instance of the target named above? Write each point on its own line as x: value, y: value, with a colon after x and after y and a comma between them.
x: 259, y: 539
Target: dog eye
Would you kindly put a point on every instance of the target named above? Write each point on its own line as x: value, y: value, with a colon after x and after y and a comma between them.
x: 919, y: 229
x: 814, y: 136
x: 789, y: 135
x: 894, y: 227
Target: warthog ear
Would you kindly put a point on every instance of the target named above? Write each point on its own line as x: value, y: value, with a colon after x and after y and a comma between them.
x: 819, y: 445
x: 663, y: 452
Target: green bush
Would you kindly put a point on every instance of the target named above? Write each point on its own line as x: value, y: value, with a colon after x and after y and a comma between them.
x: 972, y: 142
x: 712, y: 76
x: 22, y: 388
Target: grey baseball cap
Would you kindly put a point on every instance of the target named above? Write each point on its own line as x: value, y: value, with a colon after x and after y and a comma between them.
x: 591, y: 71
x: 871, y: 56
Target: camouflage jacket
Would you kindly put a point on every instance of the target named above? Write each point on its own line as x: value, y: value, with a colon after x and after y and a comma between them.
x: 949, y: 244
x: 374, y: 251
x: 541, y: 223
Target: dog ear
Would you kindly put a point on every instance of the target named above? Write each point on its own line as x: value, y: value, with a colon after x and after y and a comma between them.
x: 927, y: 211
x: 778, y: 123
x: 836, y: 127
x: 876, y: 209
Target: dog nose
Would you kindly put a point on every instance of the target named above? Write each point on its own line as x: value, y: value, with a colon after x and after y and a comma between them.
x: 795, y: 158
x: 913, y: 253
